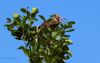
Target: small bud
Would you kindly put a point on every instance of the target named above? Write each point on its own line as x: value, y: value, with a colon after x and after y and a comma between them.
x: 16, y: 15
x: 35, y: 10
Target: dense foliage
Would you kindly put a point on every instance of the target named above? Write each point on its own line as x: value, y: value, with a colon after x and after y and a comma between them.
x: 42, y: 45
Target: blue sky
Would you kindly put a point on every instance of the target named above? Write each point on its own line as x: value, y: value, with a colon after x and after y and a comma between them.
x: 86, y: 13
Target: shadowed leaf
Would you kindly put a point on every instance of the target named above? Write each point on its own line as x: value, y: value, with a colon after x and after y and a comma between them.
x: 42, y: 17
x: 70, y: 30
x: 23, y: 10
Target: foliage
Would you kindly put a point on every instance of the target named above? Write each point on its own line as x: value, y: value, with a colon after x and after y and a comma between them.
x: 41, y: 45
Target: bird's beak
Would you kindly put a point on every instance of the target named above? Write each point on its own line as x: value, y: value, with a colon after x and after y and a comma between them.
x: 62, y: 20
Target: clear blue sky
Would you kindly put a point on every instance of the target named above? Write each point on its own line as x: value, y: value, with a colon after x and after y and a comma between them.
x: 86, y: 13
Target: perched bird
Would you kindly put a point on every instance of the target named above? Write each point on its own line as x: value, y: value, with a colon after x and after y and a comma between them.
x: 51, y: 23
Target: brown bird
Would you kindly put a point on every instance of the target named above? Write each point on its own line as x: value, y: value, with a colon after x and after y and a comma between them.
x: 51, y: 23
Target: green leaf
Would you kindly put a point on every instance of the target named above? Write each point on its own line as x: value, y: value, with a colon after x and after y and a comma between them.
x: 33, y: 32
x: 58, y: 37
x: 49, y: 29
x: 71, y: 23
x: 23, y: 10
x: 24, y: 18
x: 67, y: 57
x: 8, y: 20
x: 64, y: 44
x: 26, y: 51
x: 70, y: 30
x: 33, y: 15
x: 60, y: 50
x: 35, y: 19
x: 55, y: 46
x: 6, y: 25
x: 67, y: 26
x: 54, y: 34
x: 65, y: 37
x: 40, y: 50
x: 68, y: 42
x: 69, y: 52
x: 21, y: 47
x: 42, y: 17
x: 9, y: 27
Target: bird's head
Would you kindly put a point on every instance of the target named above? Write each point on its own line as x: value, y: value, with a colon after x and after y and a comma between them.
x: 56, y: 16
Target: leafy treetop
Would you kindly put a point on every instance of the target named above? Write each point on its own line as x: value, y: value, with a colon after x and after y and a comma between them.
x: 42, y: 45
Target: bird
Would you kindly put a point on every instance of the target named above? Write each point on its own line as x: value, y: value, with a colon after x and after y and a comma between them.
x: 52, y: 22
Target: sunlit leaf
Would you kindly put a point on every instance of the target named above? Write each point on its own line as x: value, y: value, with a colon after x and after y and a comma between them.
x: 68, y: 42
x: 69, y: 52
x: 54, y: 34
x: 58, y: 37
x: 64, y: 44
